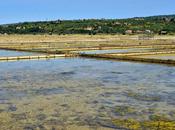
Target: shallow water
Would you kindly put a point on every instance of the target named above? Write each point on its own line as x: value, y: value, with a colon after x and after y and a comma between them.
x: 160, y: 56
x: 5, y: 53
x: 116, y: 51
x: 82, y: 92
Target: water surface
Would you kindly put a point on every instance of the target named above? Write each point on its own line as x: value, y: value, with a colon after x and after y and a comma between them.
x: 82, y: 93
x: 7, y: 53
x: 160, y: 56
x: 116, y: 51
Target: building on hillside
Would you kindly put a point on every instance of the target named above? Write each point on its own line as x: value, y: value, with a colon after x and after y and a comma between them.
x: 89, y: 28
x: 128, y: 32
x: 117, y: 23
x: 148, y: 31
x: 163, y: 32
x: 18, y: 28
x: 139, y: 32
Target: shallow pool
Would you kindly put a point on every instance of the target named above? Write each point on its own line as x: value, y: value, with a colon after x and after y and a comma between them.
x: 76, y: 93
x: 159, y: 56
x: 116, y: 51
x: 6, y: 53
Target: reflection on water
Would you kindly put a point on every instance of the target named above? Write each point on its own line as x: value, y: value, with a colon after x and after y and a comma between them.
x: 82, y: 93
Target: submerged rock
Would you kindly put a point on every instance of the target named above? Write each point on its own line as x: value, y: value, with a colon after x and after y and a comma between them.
x: 12, y: 108
x: 2, y: 110
x: 53, y: 121
x: 145, y: 97
x: 29, y: 127
x: 41, y: 117
x: 41, y: 127
x: 68, y: 73
x: 21, y: 116
x: 124, y: 110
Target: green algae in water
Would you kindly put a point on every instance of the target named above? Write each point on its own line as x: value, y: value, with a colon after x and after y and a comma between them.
x: 158, y: 117
x: 132, y: 124
x: 143, y: 97
x: 124, y: 110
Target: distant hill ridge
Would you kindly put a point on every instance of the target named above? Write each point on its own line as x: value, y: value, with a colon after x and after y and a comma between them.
x: 136, y: 25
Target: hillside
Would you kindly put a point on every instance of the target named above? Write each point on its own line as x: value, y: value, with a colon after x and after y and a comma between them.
x: 137, y: 25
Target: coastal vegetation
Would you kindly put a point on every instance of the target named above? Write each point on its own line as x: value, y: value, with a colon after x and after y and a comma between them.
x: 139, y: 25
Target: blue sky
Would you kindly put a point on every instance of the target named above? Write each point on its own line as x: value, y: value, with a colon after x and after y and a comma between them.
x: 12, y: 11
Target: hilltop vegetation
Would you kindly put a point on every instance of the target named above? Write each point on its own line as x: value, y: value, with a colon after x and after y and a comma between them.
x: 138, y: 25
